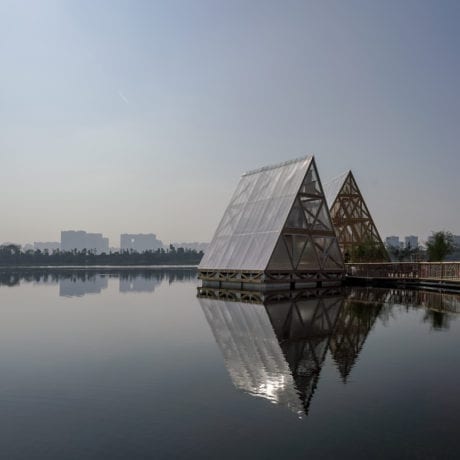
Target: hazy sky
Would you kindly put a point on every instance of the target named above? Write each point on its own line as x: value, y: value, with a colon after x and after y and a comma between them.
x: 140, y: 116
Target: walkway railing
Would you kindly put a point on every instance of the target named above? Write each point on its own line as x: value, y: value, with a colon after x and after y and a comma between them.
x: 412, y: 270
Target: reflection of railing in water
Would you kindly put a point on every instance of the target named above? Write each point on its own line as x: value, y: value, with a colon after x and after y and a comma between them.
x: 439, y: 301
x: 440, y: 307
x: 448, y: 271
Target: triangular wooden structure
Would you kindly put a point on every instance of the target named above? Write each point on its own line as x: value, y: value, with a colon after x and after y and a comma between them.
x: 356, y: 231
x: 277, y: 228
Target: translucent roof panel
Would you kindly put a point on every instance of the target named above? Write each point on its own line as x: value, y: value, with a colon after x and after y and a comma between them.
x: 332, y: 188
x: 252, y: 222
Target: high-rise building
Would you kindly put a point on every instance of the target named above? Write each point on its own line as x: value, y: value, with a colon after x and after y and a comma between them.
x: 79, y: 240
x: 392, y: 241
x: 411, y: 242
x: 456, y: 241
x: 139, y: 242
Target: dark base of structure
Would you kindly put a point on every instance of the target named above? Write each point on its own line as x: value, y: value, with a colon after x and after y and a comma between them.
x: 271, y: 286
x: 282, y: 285
x: 269, y: 281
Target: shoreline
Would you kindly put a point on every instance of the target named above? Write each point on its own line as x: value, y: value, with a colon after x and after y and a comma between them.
x: 97, y: 267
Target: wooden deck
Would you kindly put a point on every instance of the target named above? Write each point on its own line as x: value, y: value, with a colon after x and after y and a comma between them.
x: 430, y: 274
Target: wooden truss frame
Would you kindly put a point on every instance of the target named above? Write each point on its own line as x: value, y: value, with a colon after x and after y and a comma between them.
x: 353, y: 223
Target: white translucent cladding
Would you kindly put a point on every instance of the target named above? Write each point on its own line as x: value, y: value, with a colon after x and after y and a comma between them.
x: 252, y: 222
x: 251, y: 351
x: 333, y: 187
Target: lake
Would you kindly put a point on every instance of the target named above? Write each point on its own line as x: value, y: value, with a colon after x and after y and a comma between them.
x: 131, y: 364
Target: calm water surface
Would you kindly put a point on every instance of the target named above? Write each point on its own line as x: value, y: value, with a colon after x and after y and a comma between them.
x: 131, y: 364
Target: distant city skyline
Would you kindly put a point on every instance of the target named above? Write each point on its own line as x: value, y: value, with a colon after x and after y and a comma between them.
x: 81, y: 239
x: 139, y: 242
x: 410, y: 239
x: 146, y: 117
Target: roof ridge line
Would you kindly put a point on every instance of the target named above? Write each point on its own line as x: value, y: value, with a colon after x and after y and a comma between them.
x: 348, y: 171
x: 278, y: 165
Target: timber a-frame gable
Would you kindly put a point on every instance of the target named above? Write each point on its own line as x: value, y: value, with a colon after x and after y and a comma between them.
x: 353, y: 223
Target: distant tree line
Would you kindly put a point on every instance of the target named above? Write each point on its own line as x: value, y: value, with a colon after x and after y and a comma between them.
x: 406, y: 254
x: 438, y: 247
x: 12, y: 255
x: 366, y: 251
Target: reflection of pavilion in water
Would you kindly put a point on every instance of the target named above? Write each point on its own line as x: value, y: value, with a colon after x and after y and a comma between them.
x: 275, y: 347
x: 303, y: 326
x: 356, y: 319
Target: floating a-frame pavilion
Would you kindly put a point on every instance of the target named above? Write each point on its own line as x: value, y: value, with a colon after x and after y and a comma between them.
x: 356, y: 232
x: 276, y: 231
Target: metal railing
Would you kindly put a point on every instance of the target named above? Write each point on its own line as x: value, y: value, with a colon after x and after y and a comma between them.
x: 411, y: 270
